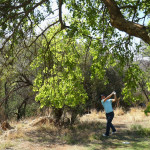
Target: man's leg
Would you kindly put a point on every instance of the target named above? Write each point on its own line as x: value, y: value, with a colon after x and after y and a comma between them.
x: 109, y: 124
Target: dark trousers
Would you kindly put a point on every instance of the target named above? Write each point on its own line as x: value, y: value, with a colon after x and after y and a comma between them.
x: 109, y: 117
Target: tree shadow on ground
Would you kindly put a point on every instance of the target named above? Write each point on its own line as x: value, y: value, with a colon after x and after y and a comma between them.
x: 89, y: 134
x: 124, y: 139
x: 81, y: 133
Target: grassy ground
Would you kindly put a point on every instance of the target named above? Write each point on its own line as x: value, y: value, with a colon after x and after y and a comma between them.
x: 133, y: 133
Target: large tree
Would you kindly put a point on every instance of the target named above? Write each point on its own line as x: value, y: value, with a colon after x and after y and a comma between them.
x: 94, y: 21
x: 19, y: 18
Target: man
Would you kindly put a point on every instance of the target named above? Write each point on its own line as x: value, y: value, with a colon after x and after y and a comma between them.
x: 107, y: 104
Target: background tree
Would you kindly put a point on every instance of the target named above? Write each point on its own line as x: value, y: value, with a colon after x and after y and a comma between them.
x: 16, y: 83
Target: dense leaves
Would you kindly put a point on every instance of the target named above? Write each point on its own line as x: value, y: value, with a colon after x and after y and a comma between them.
x: 62, y: 84
x: 75, y: 50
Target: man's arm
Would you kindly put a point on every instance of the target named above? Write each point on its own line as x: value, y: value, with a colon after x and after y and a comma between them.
x: 109, y: 96
x: 115, y: 98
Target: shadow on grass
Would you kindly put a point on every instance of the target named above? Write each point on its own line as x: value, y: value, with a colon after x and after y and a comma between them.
x: 89, y: 134
x: 126, y: 139
x: 81, y: 133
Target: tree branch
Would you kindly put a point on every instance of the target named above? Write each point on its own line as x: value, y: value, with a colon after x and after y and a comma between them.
x: 42, y: 33
x: 18, y: 25
x: 60, y: 14
x: 11, y: 92
x: 118, y: 21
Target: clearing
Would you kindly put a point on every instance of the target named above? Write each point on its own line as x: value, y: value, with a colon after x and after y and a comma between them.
x: 133, y: 133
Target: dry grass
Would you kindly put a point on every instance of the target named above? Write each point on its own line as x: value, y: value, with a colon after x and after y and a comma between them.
x: 68, y: 147
x: 6, y: 145
x: 86, y: 131
x: 94, y: 115
x: 18, y: 131
x: 135, y: 115
x: 1, y: 132
x: 46, y: 127
x: 13, y: 134
x: 119, y: 111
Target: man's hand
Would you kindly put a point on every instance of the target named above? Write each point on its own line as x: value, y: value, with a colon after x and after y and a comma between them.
x: 114, y: 92
x: 115, y: 97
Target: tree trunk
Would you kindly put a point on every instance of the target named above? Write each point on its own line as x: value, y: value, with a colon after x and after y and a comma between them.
x: 6, y: 101
x: 58, y: 114
x: 21, y: 109
x: 144, y: 91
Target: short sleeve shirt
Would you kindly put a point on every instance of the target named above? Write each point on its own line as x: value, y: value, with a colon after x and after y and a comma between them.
x: 107, y: 105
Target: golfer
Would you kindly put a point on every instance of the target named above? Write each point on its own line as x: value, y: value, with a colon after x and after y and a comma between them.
x: 107, y: 104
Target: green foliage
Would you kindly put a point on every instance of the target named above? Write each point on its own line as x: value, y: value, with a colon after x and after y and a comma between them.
x: 148, y: 86
x: 69, y: 60
x: 132, y: 78
x: 147, y: 110
x: 62, y: 90
x: 62, y: 66
x: 98, y: 64
x: 63, y: 82
x: 31, y: 109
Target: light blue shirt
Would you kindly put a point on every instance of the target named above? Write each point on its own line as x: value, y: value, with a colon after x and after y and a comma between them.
x: 107, y: 105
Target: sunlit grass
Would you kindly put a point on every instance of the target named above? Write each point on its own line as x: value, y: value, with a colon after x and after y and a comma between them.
x: 15, y: 134
x: 139, y: 130
x: 6, y: 145
x: 119, y: 111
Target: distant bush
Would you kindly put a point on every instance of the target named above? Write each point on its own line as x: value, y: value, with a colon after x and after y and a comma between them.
x: 32, y: 109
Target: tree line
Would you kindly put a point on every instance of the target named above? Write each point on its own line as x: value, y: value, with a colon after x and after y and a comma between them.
x: 74, y: 59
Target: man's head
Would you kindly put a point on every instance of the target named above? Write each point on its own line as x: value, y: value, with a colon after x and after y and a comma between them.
x: 102, y: 96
